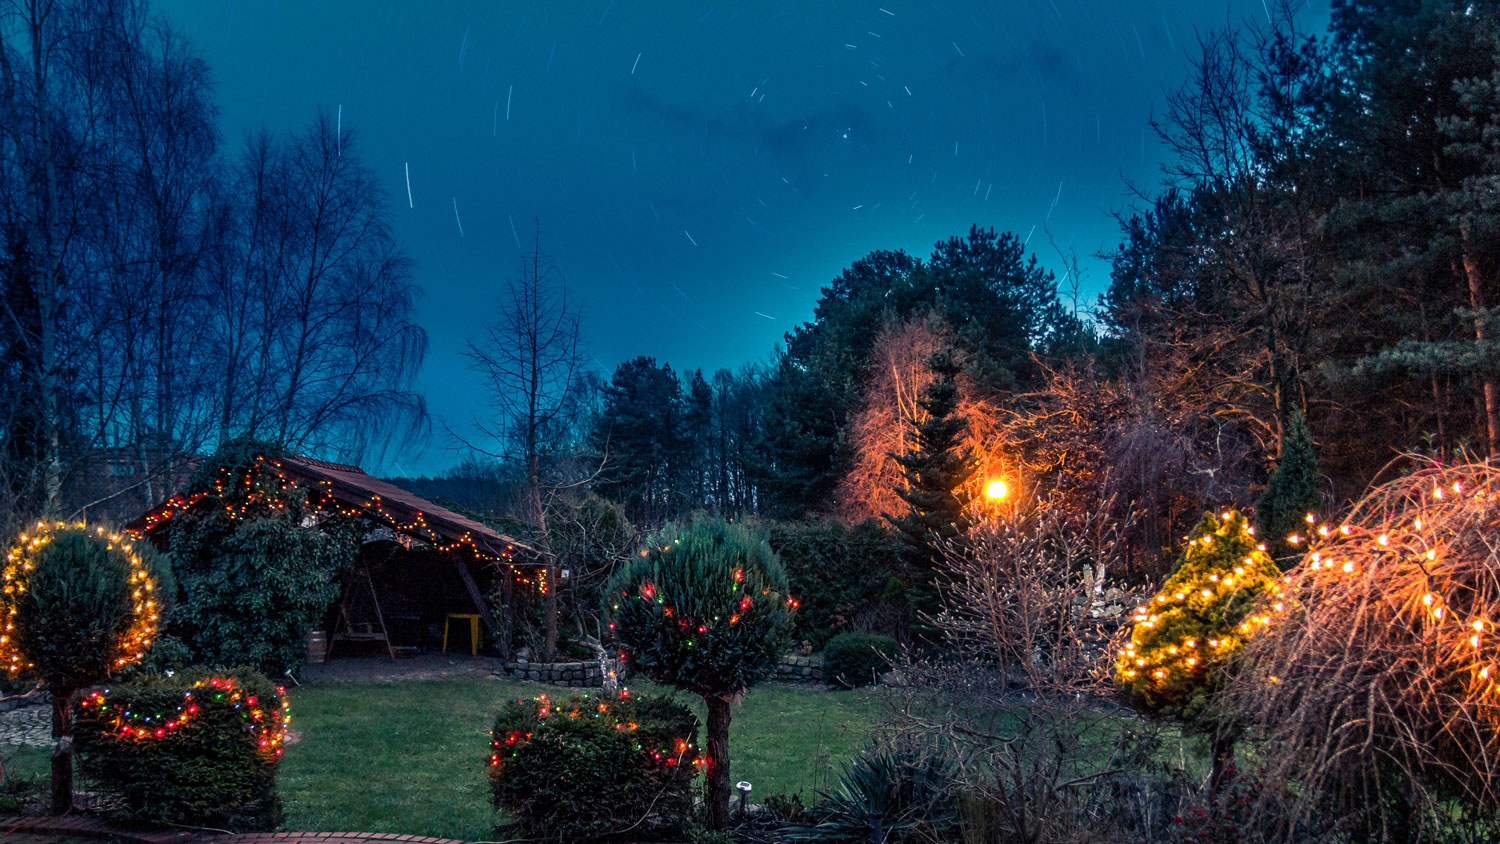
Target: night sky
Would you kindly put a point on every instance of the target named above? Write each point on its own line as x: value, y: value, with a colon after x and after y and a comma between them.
x: 701, y: 169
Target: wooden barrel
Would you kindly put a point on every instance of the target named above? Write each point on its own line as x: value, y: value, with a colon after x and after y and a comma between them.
x: 317, y: 646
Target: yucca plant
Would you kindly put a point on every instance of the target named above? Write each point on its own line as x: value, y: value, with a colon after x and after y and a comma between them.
x: 704, y: 608
x: 886, y: 796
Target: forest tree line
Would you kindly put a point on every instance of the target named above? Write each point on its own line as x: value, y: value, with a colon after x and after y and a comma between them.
x: 1323, y: 243
x: 1324, y: 246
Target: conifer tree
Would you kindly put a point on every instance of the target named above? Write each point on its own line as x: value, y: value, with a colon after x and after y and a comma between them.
x: 1194, y: 627
x: 1294, y: 490
x: 937, y: 470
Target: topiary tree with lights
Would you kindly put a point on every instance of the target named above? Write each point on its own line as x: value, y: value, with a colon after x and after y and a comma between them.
x: 1194, y: 627
x: 79, y: 603
x: 704, y: 608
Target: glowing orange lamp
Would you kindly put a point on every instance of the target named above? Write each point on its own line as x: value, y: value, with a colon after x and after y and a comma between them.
x: 996, y: 490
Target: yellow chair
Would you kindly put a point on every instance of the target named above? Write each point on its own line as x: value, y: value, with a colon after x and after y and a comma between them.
x: 473, y: 630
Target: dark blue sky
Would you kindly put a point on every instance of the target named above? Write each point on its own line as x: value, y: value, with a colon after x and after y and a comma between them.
x: 700, y: 169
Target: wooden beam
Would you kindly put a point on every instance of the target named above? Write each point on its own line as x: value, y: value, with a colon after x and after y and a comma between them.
x: 479, y: 602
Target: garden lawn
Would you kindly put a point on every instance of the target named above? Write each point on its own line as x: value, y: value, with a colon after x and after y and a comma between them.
x: 409, y: 758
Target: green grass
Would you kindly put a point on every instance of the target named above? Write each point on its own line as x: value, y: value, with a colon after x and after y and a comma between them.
x: 409, y: 758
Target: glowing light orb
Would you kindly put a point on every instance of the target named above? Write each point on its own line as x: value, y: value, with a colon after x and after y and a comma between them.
x: 997, y: 490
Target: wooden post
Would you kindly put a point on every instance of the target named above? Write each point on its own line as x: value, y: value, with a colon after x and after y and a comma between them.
x: 507, y: 628
x: 473, y: 588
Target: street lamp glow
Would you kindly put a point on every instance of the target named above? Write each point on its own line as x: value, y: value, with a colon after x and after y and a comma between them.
x: 997, y: 490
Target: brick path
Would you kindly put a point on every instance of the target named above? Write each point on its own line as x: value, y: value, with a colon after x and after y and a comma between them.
x: 87, y: 830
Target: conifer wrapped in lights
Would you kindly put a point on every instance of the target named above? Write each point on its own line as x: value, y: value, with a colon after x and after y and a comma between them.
x: 1200, y: 619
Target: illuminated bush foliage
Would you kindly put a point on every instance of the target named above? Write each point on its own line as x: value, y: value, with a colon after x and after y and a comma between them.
x: 1187, y: 632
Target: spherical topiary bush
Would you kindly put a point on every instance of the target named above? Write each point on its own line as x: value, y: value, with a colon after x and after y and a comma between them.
x: 857, y: 659
x: 586, y: 767
x: 704, y: 608
x: 78, y: 603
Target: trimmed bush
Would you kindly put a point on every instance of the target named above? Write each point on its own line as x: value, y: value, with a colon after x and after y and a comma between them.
x: 584, y: 767
x: 78, y: 604
x: 851, y: 660
x: 193, y: 749
x: 704, y: 609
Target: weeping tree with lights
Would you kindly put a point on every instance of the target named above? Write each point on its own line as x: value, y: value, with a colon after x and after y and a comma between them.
x: 704, y: 609
x: 79, y: 603
x: 1190, y: 632
x: 1376, y: 689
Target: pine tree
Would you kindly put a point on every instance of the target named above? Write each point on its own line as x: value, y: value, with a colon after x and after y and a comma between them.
x: 937, y: 470
x: 1190, y: 631
x: 1294, y: 490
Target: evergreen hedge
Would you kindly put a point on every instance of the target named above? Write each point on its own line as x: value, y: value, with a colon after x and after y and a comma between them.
x: 194, y: 749
x: 851, y: 660
x: 585, y: 767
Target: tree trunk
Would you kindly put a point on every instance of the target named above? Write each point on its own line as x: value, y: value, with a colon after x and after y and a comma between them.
x: 62, y: 752
x: 716, y: 782
x: 1477, y: 304
x: 1223, y: 753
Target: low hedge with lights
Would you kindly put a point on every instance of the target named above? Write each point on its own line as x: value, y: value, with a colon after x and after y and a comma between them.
x: 196, y: 749
x: 588, y: 767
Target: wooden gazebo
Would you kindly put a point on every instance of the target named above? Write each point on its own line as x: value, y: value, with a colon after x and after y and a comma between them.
x: 346, y: 490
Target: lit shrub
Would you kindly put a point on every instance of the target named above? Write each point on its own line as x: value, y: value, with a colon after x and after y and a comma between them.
x: 857, y: 659
x: 193, y: 749
x: 78, y: 604
x: 585, y: 767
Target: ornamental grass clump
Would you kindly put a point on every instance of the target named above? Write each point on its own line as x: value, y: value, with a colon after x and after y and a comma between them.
x: 1375, y: 687
x: 704, y: 609
x: 588, y: 767
x: 195, y: 749
x: 77, y: 604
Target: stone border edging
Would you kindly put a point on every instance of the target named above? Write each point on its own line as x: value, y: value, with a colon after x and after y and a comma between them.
x: 800, y: 669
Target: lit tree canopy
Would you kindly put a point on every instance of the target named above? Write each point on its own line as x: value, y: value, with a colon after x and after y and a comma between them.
x: 78, y: 604
x: 1376, y: 688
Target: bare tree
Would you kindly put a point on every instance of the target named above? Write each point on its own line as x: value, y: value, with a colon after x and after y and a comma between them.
x: 158, y: 299
x: 532, y: 365
x: 1021, y: 696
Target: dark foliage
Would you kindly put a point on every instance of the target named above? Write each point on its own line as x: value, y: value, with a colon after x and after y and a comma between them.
x: 218, y: 768
x: 857, y: 659
x: 889, y: 796
x: 586, y: 768
x: 1294, y: 490
x: 842, y: 575
x: 253, y: 579
x: 937, y: 469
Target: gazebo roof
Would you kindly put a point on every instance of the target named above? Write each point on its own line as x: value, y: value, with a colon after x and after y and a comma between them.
x: 349, y: 490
